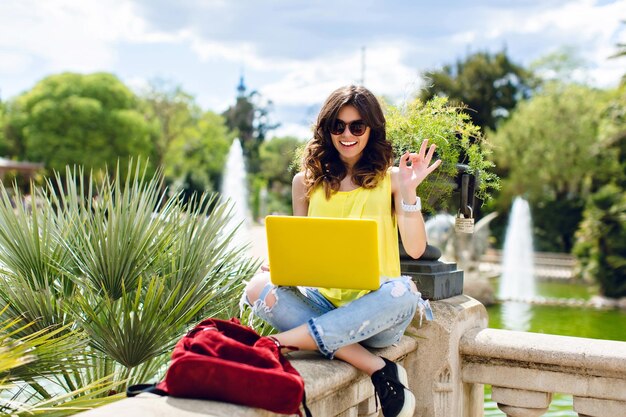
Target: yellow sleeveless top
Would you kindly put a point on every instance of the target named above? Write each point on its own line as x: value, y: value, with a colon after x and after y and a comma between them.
x: 362, y: 203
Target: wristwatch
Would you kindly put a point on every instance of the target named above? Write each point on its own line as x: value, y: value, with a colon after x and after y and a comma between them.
x: 412, y: 207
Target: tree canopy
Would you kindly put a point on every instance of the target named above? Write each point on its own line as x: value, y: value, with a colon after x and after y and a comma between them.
x: 91, y: 120
x: 190, y: 144
x: 490, y: 85
x: 277, y: 158
x: 549, y: 146
x: 601, y: 237
x: 249, y: 117
x: 171, y: 112
x: 548, y: 151
x: 196, y: 156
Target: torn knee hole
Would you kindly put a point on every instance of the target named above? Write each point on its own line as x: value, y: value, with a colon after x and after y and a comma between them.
x: 413, y: 287
x: 254, y: 292
x: 270, y: 298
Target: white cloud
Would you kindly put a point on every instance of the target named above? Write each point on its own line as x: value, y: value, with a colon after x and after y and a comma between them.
x: 591, y: 28
x: 608, y: 74
x: 240, y: 52
x: 13, y: 62
x: 310, y: 81
x: 299, y: 131
x: 464, y: 37
x: 87, y: 36
x: 71, y: 35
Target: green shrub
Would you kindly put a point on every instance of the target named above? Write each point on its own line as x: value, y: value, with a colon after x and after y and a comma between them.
x: 120, y: 264
x: 458, y: 140
x: 601, y: 241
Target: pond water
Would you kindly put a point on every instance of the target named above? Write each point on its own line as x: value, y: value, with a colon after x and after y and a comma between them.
x: 565, y: 321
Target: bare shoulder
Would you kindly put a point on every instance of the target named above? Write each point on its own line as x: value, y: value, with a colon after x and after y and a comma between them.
x: 299, y: 201
x: 395, y: 178
x: 298, y: 180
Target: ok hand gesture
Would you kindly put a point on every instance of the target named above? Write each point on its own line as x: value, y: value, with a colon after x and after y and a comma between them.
x: 412, y: 176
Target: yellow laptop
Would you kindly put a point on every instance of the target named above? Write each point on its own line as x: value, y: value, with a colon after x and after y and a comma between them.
x: 323, y: 252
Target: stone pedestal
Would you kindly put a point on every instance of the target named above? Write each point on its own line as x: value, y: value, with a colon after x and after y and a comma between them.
x: 436, y: 280
x: 435, y: 371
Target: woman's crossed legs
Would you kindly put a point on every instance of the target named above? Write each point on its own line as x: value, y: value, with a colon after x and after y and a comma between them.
x: 310, y: 322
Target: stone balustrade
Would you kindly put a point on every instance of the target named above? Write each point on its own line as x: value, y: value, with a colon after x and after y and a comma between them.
x: 525, y: 369
x: 333, y: 388
x: 447, y: 361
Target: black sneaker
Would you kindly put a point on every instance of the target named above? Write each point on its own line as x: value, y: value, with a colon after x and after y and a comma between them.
x: 391, y: 384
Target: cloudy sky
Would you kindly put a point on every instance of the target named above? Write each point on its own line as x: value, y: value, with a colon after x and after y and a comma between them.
x: 294, y: 52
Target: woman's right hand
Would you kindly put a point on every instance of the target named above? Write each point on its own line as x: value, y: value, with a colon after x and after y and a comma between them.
x: 265, y: 268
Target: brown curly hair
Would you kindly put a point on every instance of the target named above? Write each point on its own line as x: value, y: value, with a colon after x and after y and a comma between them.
x: 320, y: 161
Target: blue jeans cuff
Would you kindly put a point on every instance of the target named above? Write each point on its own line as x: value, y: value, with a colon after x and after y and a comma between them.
x: 328, y: 354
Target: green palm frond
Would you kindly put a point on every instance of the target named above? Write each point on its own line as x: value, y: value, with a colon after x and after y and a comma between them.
x: 34, y: 360
x: 109, y: 274
x: 115, y: 238
x: 94, y: 395
x: 189, y: 269
x: 30, y: 255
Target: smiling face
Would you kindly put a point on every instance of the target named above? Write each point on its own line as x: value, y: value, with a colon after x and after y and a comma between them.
x: 350, y: 147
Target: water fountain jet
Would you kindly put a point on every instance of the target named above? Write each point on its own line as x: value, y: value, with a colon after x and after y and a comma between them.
x: 234, y: 189
x: 517, y: 282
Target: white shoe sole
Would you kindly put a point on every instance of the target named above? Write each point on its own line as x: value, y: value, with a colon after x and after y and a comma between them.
x: 402, y: 375
x: 409, y: 398
x: 409, y: 404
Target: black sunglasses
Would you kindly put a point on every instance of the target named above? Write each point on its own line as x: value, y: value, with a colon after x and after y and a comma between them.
x: 356, y: 127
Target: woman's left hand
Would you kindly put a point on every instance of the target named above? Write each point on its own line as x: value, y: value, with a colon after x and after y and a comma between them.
x: 412, y: 176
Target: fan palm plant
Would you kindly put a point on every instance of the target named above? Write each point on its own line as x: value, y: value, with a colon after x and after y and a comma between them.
x: 32, y: 360
x: 119, y: 264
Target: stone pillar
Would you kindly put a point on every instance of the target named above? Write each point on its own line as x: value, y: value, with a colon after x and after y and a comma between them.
x: 435, y: 371
x: 521, y: 403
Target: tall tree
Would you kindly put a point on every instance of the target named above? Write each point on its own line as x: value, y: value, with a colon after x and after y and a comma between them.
x: 277, y: 170
x: 621, y: 47
x: 195, y: 158
x: 4, y: 146
x: 250, y: 118
x: 548, y: 151
x: 190, y: 145
x: 621, y: 53
x: 171, y: 112
x: 68, y: 118
x: 490, y: 85
x: 601, y: 236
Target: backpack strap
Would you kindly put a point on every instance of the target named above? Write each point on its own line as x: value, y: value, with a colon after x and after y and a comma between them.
x: 281, y: 346
x: 134, y: 390
x: 307, y: 412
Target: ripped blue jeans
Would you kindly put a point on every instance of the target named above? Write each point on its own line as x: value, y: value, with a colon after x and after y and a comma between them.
x: 378, y: 319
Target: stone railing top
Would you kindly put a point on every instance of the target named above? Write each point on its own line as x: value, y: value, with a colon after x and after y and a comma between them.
x: 597, y: 356
x: 321, y: 377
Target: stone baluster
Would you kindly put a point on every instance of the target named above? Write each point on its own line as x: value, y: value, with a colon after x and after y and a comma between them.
x: 369, y: 407
x: 598, y: 407
x: 521, y: 403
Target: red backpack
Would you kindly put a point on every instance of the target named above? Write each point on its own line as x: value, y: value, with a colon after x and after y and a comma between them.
x: 224, y: 361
